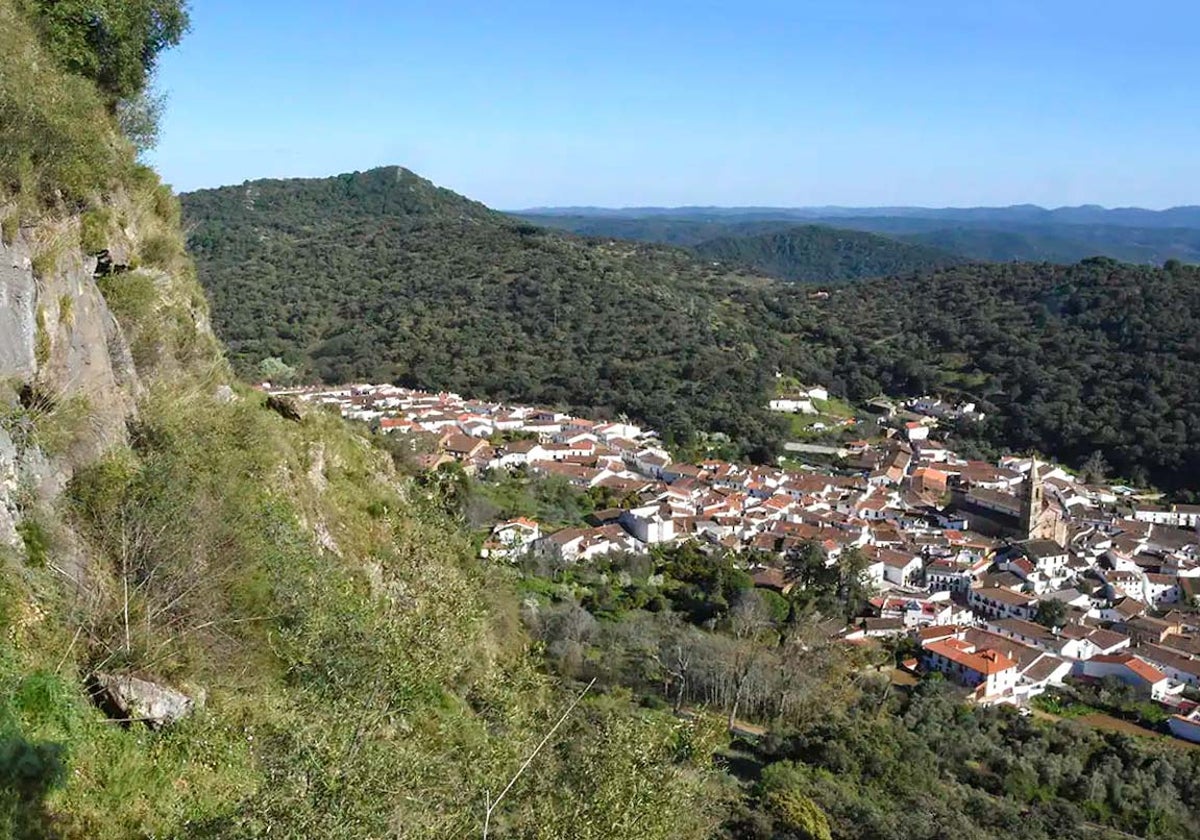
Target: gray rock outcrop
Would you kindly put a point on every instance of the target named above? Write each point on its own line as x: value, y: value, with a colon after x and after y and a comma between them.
x: 137, y: 700
x: 60, y: 342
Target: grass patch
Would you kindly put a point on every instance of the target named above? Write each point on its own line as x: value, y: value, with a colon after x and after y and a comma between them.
x: 160, y: 250
x: 44, y: 262
x: 10, y: 226
x: 93, y: 230
x: 41, y: 340
x: 1062, y: 707
x: 36, y: 540
x: 43, y: 421
x: 834, y: 407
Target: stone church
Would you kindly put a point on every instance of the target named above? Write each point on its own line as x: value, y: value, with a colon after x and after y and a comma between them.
x: 1027, y: 516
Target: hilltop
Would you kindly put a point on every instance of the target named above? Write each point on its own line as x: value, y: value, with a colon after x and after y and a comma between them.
x: 454, y: 296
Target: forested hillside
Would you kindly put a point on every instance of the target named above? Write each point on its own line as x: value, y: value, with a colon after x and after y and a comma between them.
x: 662, y: 230
x: 781, y: 248
x: 1067, y: 359
x: 817, y: 254
x: 1051, y: 243
x: 456, y: 298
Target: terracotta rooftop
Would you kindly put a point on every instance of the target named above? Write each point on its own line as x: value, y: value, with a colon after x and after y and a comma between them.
x: 963, y: 653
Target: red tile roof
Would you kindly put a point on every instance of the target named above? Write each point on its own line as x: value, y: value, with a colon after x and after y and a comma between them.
x: 1138, y: 666
x: 964, y: 653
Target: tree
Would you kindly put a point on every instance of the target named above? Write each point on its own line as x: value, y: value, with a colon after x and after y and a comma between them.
x: 139, y: 117
x: 1051, y: 613
x: 749, y: 620
x: 1095, y: 468
x: 853, y: 587
x: 274, y: 370
x: 115, y: 43
x: 782, y: 792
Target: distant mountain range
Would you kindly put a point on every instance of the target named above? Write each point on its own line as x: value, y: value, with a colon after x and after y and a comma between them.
x: 1187, y: 216
x: 995, y: 234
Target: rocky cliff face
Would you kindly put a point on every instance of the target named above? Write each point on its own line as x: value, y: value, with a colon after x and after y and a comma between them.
x: 64, y: 361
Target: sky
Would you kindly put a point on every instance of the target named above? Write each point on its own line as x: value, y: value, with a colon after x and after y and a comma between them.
x: 525, y: 103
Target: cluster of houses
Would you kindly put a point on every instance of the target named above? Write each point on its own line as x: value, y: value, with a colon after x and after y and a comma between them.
x: 1011, y: 576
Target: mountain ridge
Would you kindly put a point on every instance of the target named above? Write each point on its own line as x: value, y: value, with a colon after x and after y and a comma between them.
x: 972, y: 236
x: 1073, y: 214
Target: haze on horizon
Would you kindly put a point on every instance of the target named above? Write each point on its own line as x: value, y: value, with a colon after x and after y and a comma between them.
x: 766, y: 103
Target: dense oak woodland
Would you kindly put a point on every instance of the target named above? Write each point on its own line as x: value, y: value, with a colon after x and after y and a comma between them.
x: 816, y: 254
x: 782, y: 249
x: 447, y: 295
x: 1063, y: 243
x: 382, y: 276
x: 1068, y: 360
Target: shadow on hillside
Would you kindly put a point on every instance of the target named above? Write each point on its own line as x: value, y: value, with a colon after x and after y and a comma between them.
x: 28, y: 772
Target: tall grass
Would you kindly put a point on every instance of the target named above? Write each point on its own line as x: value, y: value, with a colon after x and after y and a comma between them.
x: 57, y: 140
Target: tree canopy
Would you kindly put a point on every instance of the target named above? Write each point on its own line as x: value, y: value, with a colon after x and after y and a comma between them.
x: 115, y: 43
x: 819, y: 254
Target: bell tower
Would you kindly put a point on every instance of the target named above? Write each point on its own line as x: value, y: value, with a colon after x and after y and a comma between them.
x: 1031, y: 502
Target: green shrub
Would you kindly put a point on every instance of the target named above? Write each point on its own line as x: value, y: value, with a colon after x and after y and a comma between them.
x: 93, y: 234
x: 57, y: 423
x: 9, y: 228
x: 166, y: 206
x: 36, y: 541
x: 783, y: 790
x: 66, y: 310
x: 159, y: 250
x: 57, y: 139
x: 41, y: 341
x: 132, y: 297
x: 45, y: 262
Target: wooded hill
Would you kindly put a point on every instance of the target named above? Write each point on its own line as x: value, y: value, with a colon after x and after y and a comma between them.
x: 818, y: 254
x: 1067, y: 360
x: 452, y: 296
x: 350, y: 282
x: 780, y: 248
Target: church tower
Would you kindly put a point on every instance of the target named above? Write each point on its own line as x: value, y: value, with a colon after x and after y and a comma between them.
x: 1031, y: 502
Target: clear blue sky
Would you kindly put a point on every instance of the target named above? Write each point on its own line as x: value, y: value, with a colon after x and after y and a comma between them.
x: 765, y: 102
